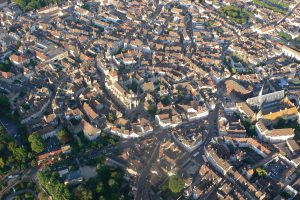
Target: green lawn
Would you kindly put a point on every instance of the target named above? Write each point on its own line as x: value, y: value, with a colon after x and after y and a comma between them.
x: 272, y: 5
x: 285, y: 36
x: 235, y: 14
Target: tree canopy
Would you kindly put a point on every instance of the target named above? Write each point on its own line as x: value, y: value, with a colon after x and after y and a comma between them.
x: 63, y: 136
x: 82, y: 193
x: 107, y: 184
x: 261, y: 172
x: 12, y: 157
x: 5, y: 66
x: 50, y: 181
x: 4, y: 104
x: 27, y: 5
x: 235, y: 14
x: 36, y: 142
x: 176, y: 184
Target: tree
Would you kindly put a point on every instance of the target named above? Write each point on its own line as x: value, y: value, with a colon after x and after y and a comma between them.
x: 152, y: 110
x: 165, y: 101
x: 2, y: 131
x: 5, y: 66
x: 176, y: 184
x: 103, y: 172
x: 4, y: 104
x: 101, y: 198
x: 28, y: 5
x: 112, y: 183
x: 36, y: 142
x: 20, y: 154
x: 81, y: 193
x: 43, y: 196
x: 63, y: 136
x: 261, y: 172
x: 111, y: 117
x: 2, y: 163
x: 33, y: 163
x: 100, y: 188
x: 51, y: 182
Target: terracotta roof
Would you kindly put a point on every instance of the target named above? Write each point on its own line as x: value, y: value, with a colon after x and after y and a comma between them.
x: 281, y: 132
x: 6, y: 75
x: 90, y: 111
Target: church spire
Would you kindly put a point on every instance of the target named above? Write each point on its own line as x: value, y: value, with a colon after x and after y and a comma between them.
x: 260, y: 98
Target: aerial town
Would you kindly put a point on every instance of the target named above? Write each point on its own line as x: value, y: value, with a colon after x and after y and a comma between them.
x: 149, y: 99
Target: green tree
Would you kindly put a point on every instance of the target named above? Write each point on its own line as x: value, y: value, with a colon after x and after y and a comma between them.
x: 152, y: 110
x: 36, y: 142
x: 261, y: 172
x: 111, y: 117
x: 2, y: 131
x: 102, y: 198
x: 2, y: 163
x: 298, y: 39
x: 5, y: 66
x: 42, y: 196
x: 100, y: 188
x: 20, y: 154
x: 33, y: 163
x: 27, y: 5
x: 112, y: 183
x: 63, y: 136
x: 82, y: 193
x: 176, y: 184
x: 4, y: 104
x: 50, y: 181
x: 103, y: 172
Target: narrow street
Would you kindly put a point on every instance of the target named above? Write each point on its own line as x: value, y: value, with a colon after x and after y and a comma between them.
x: 141, y: 183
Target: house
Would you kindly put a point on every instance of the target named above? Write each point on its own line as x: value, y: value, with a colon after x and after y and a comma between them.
x: 245, y: 111
x: 18, y: 60
x: 293, y: 146
x: 89, y: 131
x: 148, y: 87
x: 220, y: 164
x: 73, y: 178
x: 7, y: 77
x: 93, y: 116
x: 48, y: 158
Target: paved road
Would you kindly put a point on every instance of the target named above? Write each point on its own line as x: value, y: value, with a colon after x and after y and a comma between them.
x: 141, y: 189
x: 288, y: 14
x: 30, y: 174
